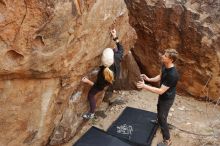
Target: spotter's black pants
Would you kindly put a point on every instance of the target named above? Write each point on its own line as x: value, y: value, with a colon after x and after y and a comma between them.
x: 163, y: 107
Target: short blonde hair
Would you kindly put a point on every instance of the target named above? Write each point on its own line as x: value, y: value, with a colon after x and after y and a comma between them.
x: 172, y: 54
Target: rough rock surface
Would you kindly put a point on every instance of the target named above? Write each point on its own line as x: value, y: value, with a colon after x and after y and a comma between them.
x: 130, y: 74
x: 46, y: 47
x: 190, y: 26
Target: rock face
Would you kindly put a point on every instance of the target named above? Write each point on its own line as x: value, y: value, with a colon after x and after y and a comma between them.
x: 191, y: 27
x: 46, y: 47
x: 129, y: 75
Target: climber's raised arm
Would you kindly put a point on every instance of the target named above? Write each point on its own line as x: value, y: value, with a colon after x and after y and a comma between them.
x: 119, y: 51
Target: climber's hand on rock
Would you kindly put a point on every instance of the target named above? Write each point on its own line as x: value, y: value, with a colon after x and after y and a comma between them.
x: 113, y: 32
x: 85, y: 80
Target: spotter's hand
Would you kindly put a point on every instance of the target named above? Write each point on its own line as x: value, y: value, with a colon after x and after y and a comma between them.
x: 144, y: 77
x: 140, y: 84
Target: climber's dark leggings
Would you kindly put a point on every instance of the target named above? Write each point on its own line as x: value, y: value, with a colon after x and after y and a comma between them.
x: 91, y: 97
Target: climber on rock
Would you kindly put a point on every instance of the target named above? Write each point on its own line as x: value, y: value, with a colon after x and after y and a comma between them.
x: 167, y: 91
x: 108, y: 72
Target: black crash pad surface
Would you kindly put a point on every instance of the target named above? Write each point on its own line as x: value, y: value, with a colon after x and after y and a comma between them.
x: 134, y: 126
x: 97, y: 137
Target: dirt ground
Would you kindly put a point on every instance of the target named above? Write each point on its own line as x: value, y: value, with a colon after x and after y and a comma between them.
x: 196, y: 123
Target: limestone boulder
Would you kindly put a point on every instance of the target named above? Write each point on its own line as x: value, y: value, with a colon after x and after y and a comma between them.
x: 46, y: 47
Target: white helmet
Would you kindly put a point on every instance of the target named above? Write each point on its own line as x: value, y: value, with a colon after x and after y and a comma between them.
x: 108, y: 57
